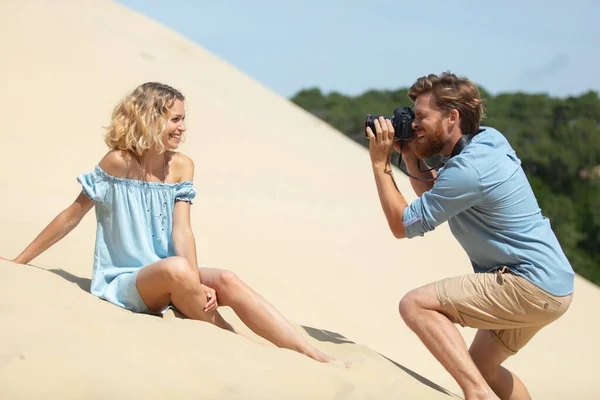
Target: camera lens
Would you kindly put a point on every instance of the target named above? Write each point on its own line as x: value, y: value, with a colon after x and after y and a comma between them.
x: 370, y: 122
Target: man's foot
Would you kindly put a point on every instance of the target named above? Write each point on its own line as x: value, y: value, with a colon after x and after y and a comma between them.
x: 487, y: 394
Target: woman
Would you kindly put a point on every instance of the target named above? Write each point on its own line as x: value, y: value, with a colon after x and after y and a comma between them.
x: 145, y: 253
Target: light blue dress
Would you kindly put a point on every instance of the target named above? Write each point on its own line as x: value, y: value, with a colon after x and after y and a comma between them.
x: 134, y: 226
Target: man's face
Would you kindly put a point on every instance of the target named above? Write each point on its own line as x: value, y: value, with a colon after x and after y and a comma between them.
x: 430, y: 128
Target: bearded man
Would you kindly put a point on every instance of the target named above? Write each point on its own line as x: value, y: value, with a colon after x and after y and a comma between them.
x: 521, y: 280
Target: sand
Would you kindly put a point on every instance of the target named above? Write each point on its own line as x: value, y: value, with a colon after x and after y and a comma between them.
x: 284, y: 200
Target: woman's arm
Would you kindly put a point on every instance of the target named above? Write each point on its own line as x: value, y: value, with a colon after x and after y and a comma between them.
x: 183, y: 236
x: 185, y: 246
x: 60, y: 226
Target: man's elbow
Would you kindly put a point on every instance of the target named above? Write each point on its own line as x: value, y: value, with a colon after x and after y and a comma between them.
x: 397, y: 226
x: 398, y: 231
x: 399, y: 234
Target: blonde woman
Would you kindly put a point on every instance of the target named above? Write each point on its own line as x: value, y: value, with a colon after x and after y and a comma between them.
x: 145, y: 253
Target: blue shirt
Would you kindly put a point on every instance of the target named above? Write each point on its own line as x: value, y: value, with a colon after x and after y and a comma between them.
x: 492, y: 211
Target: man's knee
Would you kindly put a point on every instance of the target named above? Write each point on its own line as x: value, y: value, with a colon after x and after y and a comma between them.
x: 409, y: 305
x: 418, y: 300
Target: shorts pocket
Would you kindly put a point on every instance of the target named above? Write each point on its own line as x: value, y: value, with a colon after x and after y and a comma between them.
x: 548, y: 298
x: 535, y: 296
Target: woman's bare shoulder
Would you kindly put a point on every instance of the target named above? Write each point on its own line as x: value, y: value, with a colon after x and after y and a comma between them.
x: 182, y: 165
x: 116, y: 162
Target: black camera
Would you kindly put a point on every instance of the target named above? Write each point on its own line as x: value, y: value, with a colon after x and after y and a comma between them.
x: 401, y: 121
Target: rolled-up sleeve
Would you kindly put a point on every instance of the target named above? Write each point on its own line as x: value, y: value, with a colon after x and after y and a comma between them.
x: 457, y: 188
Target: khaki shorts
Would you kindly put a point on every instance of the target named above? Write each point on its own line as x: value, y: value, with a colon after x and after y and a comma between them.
x: 510, y: 307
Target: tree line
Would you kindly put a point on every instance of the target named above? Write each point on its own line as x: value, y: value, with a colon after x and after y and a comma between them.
x: 557, y: 140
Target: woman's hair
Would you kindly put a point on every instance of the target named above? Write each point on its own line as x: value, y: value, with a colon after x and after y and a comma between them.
x: 453, y: 93
x: 139, y: 121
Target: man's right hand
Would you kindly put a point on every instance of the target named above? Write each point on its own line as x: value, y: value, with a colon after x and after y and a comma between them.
x: 412, y: 165
x: 407, y: 153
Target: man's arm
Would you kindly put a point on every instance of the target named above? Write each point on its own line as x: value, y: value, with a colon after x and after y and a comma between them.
x: 392, y: 201
x: 457, y: 188
x: 380, y: 150
x: 412, y: 166
x: 418, y: 186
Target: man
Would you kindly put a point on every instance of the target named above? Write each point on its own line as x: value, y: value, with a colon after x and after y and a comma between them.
x: 522, y: 279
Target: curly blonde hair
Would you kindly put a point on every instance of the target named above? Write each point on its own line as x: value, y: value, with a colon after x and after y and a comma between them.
x: 139, y: 121
x: 453, y: 93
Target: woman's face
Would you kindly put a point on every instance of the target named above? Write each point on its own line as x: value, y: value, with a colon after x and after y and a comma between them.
x: 175, y: 126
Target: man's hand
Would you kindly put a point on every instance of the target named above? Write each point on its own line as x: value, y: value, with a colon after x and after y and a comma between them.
x: 407, y: 152
x: 211, y: 299
x: 381, y: 142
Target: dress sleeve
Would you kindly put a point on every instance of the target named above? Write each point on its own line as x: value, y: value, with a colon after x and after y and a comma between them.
x: 185, y: 191
x: 93, y: 185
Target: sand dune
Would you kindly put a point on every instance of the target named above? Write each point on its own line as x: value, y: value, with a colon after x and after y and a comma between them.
x: 65, y: 344
x: 284, y: 200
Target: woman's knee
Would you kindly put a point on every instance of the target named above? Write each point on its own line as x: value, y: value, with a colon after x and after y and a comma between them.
x: 179, y: 271
x: 227, y: 281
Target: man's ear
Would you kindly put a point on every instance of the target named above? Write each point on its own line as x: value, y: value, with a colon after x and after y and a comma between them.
x: 453, y: 116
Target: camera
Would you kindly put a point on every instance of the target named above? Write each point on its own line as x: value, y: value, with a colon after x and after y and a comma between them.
x: 401, y: 121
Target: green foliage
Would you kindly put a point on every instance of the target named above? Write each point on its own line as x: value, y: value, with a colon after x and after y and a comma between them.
x: 557, y: 140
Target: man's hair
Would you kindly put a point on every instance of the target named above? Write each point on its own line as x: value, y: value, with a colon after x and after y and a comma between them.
x: 452, y: 92
x: 140, y: 119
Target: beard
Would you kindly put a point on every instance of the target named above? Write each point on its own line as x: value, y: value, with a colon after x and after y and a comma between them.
x: 431, y: 144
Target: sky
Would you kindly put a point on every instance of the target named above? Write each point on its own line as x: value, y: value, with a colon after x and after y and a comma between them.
x: 353, y: 46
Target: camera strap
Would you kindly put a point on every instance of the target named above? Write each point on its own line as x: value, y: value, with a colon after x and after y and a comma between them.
x: 461, y: 144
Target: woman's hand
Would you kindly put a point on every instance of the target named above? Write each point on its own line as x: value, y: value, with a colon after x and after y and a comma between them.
x: 211, y: 299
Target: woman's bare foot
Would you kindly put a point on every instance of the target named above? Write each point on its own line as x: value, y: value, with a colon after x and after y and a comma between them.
x: 320, y: 356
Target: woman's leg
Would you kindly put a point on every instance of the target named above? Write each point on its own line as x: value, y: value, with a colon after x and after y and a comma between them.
x: 257, y: 313
x: 173, y: 280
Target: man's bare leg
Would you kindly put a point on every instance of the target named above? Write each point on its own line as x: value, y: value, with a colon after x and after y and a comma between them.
x: 257, y: 313
x: 423, y: 313
x: 488, y: 356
